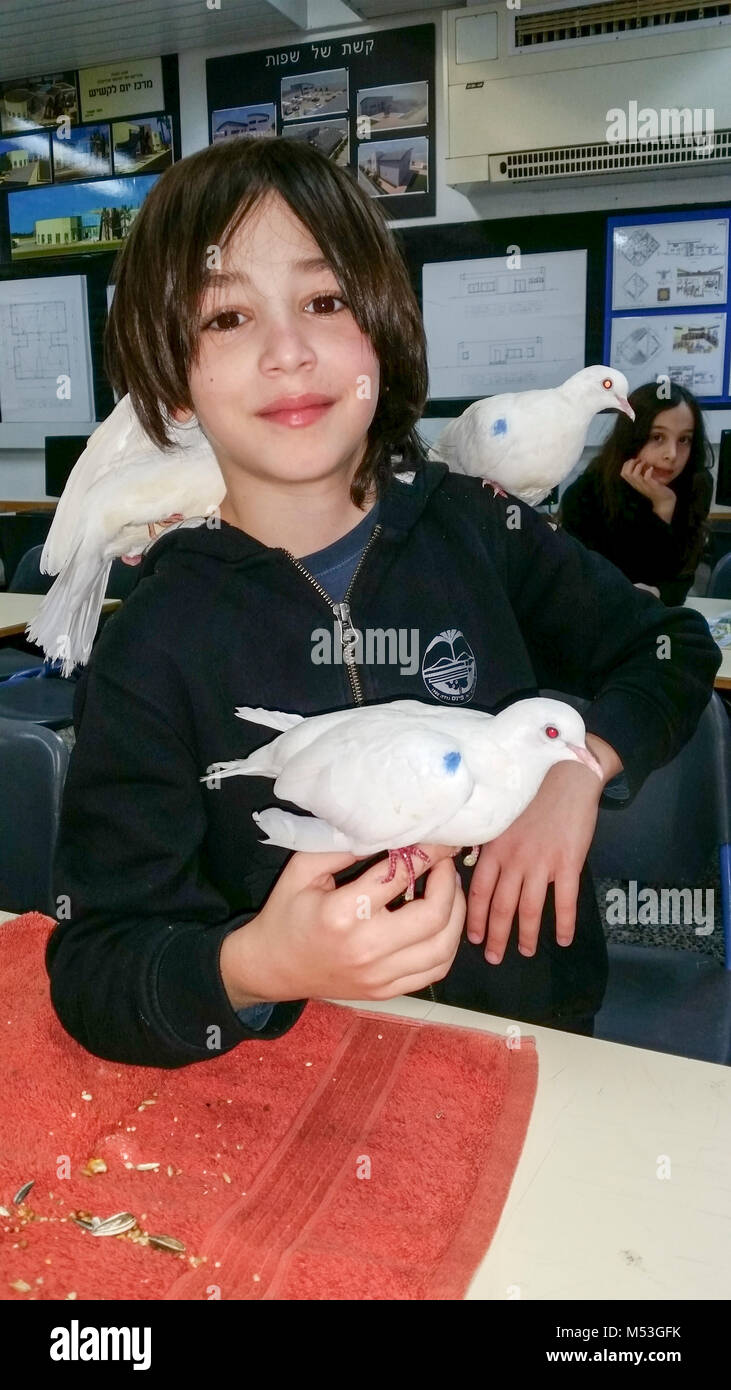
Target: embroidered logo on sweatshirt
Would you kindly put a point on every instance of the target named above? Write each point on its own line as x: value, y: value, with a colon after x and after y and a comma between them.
x: 449, y: 667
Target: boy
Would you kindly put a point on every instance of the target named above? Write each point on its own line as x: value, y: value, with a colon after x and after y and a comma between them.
x: 180, y: 919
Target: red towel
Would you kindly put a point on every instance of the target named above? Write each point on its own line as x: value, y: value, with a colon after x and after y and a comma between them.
x: 356, y: 1157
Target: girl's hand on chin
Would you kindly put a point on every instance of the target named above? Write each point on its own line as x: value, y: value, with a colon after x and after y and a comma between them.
x: 641, y: 477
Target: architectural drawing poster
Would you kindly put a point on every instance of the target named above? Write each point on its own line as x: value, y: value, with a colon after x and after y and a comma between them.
x: 504, y: 323
x: 45, y: 353
x: 659, y: 265
x: 688, y: 348
x: 669, y: 264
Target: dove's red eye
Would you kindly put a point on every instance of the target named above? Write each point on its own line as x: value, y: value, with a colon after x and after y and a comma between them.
x: 607, y: 383
x: 551, y: 731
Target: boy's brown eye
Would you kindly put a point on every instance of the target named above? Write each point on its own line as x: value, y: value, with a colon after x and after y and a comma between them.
x: 229, y: 316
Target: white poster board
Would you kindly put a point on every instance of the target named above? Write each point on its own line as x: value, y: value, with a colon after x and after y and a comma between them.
x: 668, y: 264
x: 45, y: 352
x: 504, y: 323
x: 687, y: 348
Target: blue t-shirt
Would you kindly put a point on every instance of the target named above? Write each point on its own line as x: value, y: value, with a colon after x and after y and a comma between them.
x: 334, y: 567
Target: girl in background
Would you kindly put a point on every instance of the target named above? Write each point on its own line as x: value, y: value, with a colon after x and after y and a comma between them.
x: 643, y: 500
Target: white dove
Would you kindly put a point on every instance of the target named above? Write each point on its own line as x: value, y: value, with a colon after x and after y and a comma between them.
x: 379, y: 777
x: 528, y: 441
x: 118, y: 488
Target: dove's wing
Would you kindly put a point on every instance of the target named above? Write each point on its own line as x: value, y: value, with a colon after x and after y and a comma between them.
x: 123, y: 479
x: 105, y: 450
x: 383, y: 788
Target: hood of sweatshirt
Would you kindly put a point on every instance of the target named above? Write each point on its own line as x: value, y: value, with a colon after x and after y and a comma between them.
x: 401, y: 505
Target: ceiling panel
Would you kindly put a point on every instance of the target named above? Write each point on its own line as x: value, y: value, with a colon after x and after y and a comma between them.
x: 44, y: 35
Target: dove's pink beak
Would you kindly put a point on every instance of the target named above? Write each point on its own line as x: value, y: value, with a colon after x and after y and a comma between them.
x: 625, y: 406
x: 583, y: 755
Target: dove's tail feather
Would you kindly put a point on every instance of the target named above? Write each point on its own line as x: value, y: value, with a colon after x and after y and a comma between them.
x: 263, y: 762
x: 299, y: 832
x: 271, y: 719
x: 65, y: 626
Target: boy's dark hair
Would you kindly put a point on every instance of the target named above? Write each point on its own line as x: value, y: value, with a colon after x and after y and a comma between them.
x: 693, y: 487
x: 160, y: 272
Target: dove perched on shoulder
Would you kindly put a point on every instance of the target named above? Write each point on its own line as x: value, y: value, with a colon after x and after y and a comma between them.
x: 118, y: 488
x: 384, y: 777
x: 526, y: 442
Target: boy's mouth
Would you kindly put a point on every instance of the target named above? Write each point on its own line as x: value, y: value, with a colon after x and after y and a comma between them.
x: 295, y: 411
x: 295, y: 418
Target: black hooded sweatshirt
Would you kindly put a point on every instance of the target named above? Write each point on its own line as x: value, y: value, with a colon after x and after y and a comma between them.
x: 154, y: 868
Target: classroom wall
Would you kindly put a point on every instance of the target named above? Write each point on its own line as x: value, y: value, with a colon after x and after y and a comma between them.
x: 21, y: 471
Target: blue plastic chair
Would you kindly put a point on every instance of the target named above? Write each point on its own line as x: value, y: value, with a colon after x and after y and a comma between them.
x: 33, y: 763
x: 719, y: 584
x: 660, y: 997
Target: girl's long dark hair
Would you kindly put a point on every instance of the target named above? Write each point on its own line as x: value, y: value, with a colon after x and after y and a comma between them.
x: 693, y: 487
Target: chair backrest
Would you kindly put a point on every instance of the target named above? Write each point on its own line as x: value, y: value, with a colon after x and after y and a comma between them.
x: 33, y: 763
x: 28, y: 579
x: 719, y: 584
x: 679, y: 817
x: 20, y: 531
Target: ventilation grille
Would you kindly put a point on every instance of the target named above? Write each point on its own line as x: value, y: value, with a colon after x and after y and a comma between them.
x: 589, y: 22
x: 571, y: 160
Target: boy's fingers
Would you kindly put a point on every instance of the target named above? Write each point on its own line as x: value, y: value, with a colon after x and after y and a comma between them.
x: 565, y: 894
x: 481, y: 890
x: 409, y: 960
x: 318, y: 870
x: 373, y: 881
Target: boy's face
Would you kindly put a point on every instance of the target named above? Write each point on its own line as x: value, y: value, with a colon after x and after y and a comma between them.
x: 281, y: 332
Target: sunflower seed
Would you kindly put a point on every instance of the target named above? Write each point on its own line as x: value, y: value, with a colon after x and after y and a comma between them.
x: 4, y: 1211
x: 85, y: 1225
x: 166, y: 1243
x: 115, y: 1225
x: 22, y: 1192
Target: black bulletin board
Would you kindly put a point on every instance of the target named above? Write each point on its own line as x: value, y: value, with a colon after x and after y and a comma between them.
x: 456, y: 241
x: 264, y: 92
x: 97, y: 265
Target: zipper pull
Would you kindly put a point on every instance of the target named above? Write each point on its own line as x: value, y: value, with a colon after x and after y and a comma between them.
x: 348, y: 634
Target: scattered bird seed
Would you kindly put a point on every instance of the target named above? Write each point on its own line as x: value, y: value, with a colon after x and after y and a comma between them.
x: 167, y: 1243
x: 22, y: 1192
x: 94, y: 1165
x: 4, y: 1211
x: 144, y: 1167
x: 20, y: 1286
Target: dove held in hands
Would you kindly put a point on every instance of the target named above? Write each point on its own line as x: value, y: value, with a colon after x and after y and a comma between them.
x: 384, y: 777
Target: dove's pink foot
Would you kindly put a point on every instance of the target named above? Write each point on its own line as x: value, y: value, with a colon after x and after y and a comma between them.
x: 407, y: 854
x: 497, y: 491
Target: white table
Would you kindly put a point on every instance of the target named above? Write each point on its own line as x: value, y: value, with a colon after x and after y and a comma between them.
x: 711, y: 608
x: 17, y: 610
x: 586, y: 1216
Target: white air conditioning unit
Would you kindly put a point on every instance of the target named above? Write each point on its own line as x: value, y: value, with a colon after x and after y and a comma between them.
x: 588, y: 92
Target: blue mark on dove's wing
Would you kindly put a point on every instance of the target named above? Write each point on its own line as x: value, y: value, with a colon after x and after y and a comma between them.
x: 451, y: 762
x: 499, y: 426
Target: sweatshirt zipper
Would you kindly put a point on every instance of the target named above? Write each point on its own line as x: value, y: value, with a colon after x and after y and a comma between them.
x: 348, y: 634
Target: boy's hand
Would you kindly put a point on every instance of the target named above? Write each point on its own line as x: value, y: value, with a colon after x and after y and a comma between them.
x: 313, y: 940
x: 548, y: 843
